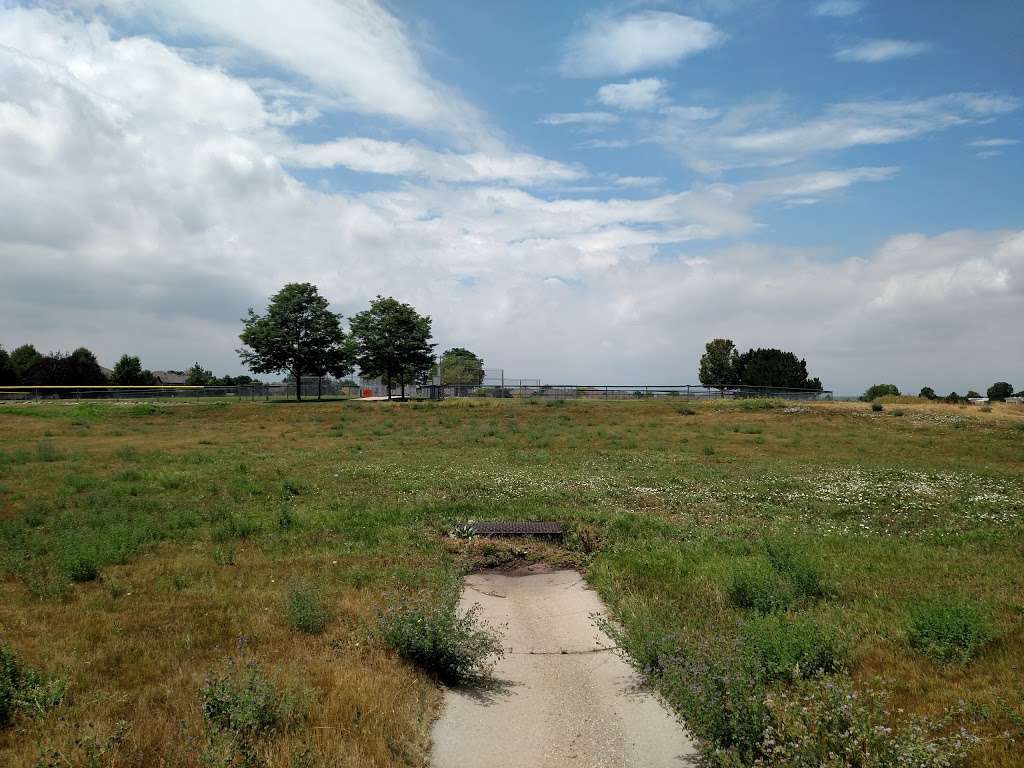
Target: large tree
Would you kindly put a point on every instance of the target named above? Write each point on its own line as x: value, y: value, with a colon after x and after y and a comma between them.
x: 1000, y: 391
x: 128, y: 371
x: 718, y: 363
x: 298, y: 334
x: 773, y: 368
x: 22, y: 360
x: 393, y: 342
x: 459, y: 366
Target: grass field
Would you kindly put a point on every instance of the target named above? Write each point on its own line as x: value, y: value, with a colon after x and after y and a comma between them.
x: 154, y: 552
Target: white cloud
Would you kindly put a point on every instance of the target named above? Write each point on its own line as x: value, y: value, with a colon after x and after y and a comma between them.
x: 355, y: 52
x: 644, y: 94
x: 633, y: 182
x: 882, y: 49
x: 579, y: 118
x: 995, y: 142
x: 838, y: 8
x: 619, y: 45
x: 766, y: 134
x: 409, y: 159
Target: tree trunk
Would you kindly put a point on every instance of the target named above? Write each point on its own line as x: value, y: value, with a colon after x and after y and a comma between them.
x: 298, y: 384
x: 387, y: 383
x: 403, y: 387
x: 319, y: 386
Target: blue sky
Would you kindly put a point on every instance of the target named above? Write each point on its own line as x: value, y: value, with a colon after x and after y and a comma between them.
x: 579, y: 192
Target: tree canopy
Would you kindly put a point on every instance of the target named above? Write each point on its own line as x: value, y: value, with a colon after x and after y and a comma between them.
x: 1000, y: 390
x: 392, y: 341
x: 197, y: 376
x: 880, y: 390
x: 22, y: 359
x: 773, y: 368
x: 459, y: 366
x: 298, y: 334
x: 928, y: 393
x: 718, y: 363
x: 129, y: 372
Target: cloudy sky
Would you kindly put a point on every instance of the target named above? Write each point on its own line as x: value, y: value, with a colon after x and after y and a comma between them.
x: 578, y: 192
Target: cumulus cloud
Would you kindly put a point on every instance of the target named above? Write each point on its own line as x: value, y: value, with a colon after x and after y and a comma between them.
x: 882, y: 49
x: 619, y: 45
x: 643, y: 94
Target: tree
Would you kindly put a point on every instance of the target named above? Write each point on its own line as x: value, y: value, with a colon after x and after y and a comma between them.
x: 1000, y: 391
x: 198, y: 376
x: 23, y: 358
x: 7, y: 373
x: 952, y: 397
x: 459, y: 366
x: 927, y: 393
x: 298, y: 334
x: 84, y: 369
x: 392, y: 342
x: 880, y: 390
x: 971, y: 394
x: 128, y: 371
x: 718, y: 363
x: 773, y: 368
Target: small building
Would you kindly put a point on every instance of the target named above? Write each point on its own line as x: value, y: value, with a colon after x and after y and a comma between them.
x: 977, y: 400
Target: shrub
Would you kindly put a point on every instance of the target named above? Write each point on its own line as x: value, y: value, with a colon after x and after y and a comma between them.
x: 686, y: 411
x: 24, y: 689
x: 877, y: 407
x: 948, y: 630
x: 761, y: 588
x: 788, y: 649
x: 880, y: 390
x: 79, y: 563
x: 787, y: 558
x: 244, y: 706
x: 437, y: 639
x: 897, y: 413
x: 306, y: 611
x: 826, y: 722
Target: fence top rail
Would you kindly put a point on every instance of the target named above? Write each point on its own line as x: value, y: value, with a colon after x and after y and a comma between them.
x: 734, y: 387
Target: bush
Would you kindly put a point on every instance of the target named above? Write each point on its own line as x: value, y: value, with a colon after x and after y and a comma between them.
x: 759, y: 587
x: 243, y: 702
x: 880, y: 390
x: 787, y: 578
x: 307, y: 612
x: 877, y: 407
x: 788, y: 649
x: 948, y: 630
x: 24, y: 689
x: 437, y: 639
x: 787, y: 558
x: 79, y: 563
x: 826, y: 722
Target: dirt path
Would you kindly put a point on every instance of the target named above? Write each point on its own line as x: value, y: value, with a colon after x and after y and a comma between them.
x: 561, y: 696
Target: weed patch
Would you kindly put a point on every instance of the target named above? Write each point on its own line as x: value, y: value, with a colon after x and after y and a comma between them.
x: 948, y: 630
x: 306, y: 610
x: 435, y: 638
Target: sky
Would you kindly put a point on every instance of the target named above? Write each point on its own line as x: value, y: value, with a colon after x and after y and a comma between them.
x: 580, y: 193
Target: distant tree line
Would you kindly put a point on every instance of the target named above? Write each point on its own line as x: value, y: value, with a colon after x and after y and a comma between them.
x: 26, y: 366
x: 997, y: 392
x: 722, y: 365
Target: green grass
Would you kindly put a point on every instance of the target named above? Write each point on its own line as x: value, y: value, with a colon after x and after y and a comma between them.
x: 742, y: 549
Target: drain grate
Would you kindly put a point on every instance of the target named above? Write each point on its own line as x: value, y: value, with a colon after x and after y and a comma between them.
x: 517, y: 528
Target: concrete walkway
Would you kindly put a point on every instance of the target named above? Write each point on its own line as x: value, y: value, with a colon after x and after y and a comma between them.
x: 562, y: 696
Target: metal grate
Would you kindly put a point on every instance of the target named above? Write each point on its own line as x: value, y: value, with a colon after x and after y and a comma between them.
x: 517, y: 528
